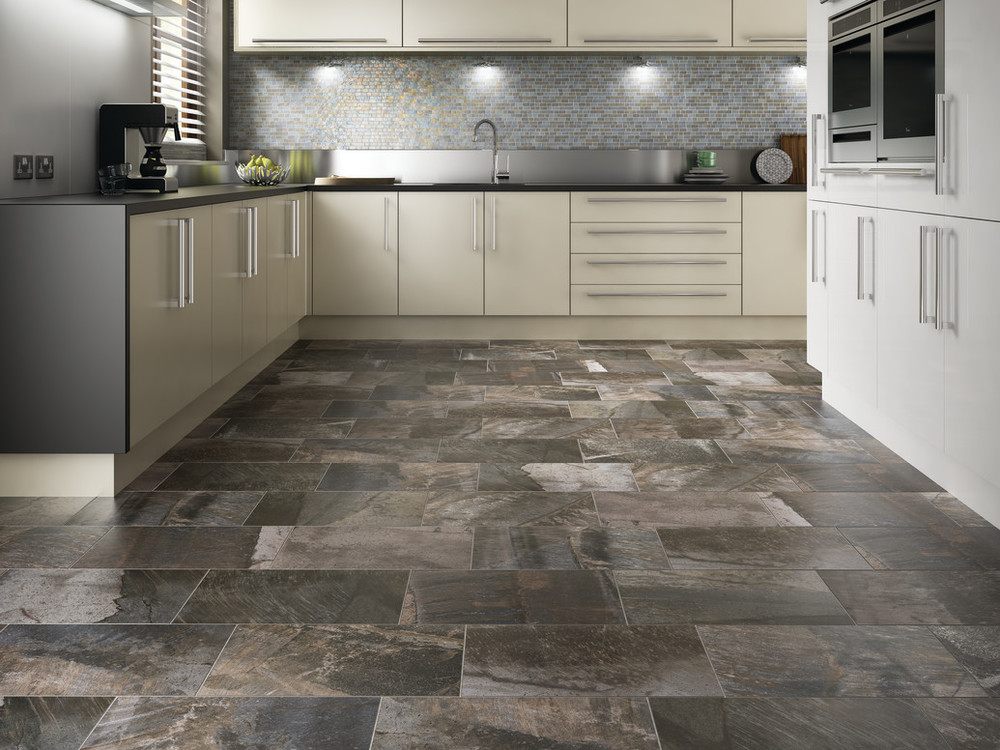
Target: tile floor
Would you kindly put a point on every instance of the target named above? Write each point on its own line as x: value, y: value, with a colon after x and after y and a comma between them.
x: 508, y: 545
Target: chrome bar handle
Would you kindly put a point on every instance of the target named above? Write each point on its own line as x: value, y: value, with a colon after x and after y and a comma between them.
x: 181, y: 261
x: 922, y: 282
x: 493, y: 199
x: 657, y: 200
x: 657, y: 294
x: 249, y: 238
x: 938, y: 311
x: 475, y: 226
x: 291, y: 230
x: 190, y: 268
x: 861, y: 263
x: 816, y: 171
x: 870, y: 277
x: 385, y: 222
x: 296, y: 230
x: 814, y: 277
x: 338, y: 40
x: 666, y: 40
x: 844, y: 170
x: 940, y: 143
x: 657, y: 262
x: 256, y: 242
x: 655, y: 231
x: 483, y: 40
x: 789, y: 39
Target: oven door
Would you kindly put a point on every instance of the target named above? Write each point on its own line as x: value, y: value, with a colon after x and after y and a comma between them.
x: 911, y: 51
x: 853, y: 79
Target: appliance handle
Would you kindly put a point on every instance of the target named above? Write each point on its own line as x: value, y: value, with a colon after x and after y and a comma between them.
x: 816, y: 120
x: 922, y: 283
x: 870, y: 277
x: 902, y: 171
x: 938, y: 236
x: 844, y: 170
x: 940, y: 143
x: 860, y: 292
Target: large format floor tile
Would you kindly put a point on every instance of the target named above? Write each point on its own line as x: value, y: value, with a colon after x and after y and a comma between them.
x: 508, y: 545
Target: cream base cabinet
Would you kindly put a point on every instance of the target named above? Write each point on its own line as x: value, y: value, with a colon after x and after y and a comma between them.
x: 302, y: 25
x: 286, y: 266
x: 852, y: 321
x: 355, y: 253
x: 817, y: 297
x: 170, y: 314
x: 511, y: 24
x: 774, y: 254
x: 441, y: 253
x: 527, y: 253
x: 649, y: 24
x: 767, y: 24
x: 239, y: 284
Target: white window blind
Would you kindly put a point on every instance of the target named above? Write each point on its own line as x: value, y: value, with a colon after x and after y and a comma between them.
x: 179, y: 75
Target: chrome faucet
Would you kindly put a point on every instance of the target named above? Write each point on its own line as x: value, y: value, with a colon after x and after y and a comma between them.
x: 494, y: 176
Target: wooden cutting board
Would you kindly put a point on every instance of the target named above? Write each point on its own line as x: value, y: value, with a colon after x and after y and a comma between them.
x: 795, y: 147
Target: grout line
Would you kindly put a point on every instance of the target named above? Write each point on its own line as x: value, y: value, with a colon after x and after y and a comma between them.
x: 173, y: 620
x: 378, y: 714
x: 96, y: 723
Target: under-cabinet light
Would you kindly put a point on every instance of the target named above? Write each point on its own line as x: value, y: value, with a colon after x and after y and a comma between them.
x: 146, y: 7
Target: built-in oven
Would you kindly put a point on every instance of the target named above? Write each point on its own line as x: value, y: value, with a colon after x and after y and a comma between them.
x: 886, y: 73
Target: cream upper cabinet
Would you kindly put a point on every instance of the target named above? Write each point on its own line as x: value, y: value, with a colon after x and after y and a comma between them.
x: 527, y: 253
x: 510, y: 24
x: 774, y: 254
x: 766, y: 24
x: 650, y: 24
x: 355, y: 253
x: 441, y: 253
x: 317, y: 24
x: 170, y: 315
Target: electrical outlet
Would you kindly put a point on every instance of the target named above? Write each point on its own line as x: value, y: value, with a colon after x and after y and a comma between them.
x: 22, y: 167
x: 45, y: 167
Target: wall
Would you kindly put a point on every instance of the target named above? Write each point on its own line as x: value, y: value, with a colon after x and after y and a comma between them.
x: 53, y: 83
x: 538, y: 101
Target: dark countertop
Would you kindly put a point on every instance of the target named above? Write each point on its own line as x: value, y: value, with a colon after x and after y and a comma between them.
x: 148, y: 202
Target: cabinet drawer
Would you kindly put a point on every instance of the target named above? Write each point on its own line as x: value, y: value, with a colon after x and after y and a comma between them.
x: 656, y: 206
x: 655, y: 238
x: 655, y: 299
x: 656, y: 269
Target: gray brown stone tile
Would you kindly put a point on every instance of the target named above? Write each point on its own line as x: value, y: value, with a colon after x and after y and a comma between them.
x: 854, y: 509
x: 542, y: 393
x: 680, y: 509
x: 469, y: 509
x: 507, y: 723
x: 965, y: 723
x: 108, y: 659
x: 652, y: 451
x: 196, y: 548
x: 660, y: 410
x: 385, y: 410
x: 169, y: 509
x: 50, y: 723
x: 555, y: 477
x: 511, y: 409
x: 547, y: 428
x: 45, y: 546
x: 802, y: 428
x: 918, y: 597
x: 559, y: 597
x: 428, y: 393
x: 378, y: 477
x: 833, y: 661
x: 932, y: 548
x: 556, y: 548
x: 267, y: 408
x: 296, y: 596
x: 55, y: 596
x: 864, y: 477
x: 362, y: 451
x: 750, y: 597
x: 39, y: 511
x: 418, y: 427
x: 830, y: 451
x: 719, y: 477
x: 978, y: 650
x: 372, y: 548
x: 793, y: 724
x: 339, y: 509
x: 221, y: 450
x: 655, y: 393
x: 793, y: 548
x: 585, y: 660
x: 306, y: 391
x: 664, y: 429
x: 525, y: 451
x: 303, y: 723
x: 241, y: 477
x: 338, y: 660
x: 280, y: 428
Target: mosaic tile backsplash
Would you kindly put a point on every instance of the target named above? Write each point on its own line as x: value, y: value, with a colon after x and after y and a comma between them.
x: 537, y: 101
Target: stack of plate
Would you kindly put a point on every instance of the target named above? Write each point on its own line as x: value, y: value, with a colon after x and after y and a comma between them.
x: 706, y: 175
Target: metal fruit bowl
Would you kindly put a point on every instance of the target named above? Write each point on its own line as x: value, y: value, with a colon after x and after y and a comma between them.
x: 261, y: 175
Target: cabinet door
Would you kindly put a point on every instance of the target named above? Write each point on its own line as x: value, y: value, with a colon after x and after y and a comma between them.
x: 298, y: 264
x: 255, y: 286
x: 817, y: 314
x: 440, y: 253
x: 317, y: 24
x: 527, y: 254
x: 450, y: 24
x: 910, y: 344
x: 765, y: 24
x: 170, y: 314
x: 652, y: 24
x: 852, y: 300
x: 970, y: 269
x: 285, y: 263
x: 774, y: 254
x: 355, y: 254
x: 230, y: 267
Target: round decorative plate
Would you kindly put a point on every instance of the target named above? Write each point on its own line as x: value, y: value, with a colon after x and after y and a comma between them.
x: 772, y: 165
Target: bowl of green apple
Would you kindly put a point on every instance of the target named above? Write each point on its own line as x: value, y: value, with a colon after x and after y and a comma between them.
x: 260, y: 170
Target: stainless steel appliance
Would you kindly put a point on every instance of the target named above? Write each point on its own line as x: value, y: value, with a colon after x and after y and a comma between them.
x: 152, y: 122
x: 886, y: 81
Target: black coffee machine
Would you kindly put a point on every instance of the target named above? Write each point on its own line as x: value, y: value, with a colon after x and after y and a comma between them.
x: 152, y: 121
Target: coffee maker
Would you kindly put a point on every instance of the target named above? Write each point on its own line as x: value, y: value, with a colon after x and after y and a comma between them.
x: 152, y: 121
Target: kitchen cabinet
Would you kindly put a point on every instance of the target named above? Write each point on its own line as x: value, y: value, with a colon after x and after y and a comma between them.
x: 170, y: 314
x: 768, y: 24
x: 355, y: 253
x: 457, y: 24
x: 239, y: 284
x: 527, y: 253
x: 774, y: 254
x: 851, y: 293
x: 303, y: 25
x: 287, y: 241
x: 441, y: 253
x: 817, y: 312
x: 649, y: 24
